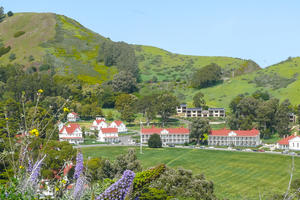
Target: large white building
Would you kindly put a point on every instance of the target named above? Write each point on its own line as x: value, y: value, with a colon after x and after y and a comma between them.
x: 119, y: 125
x: 183, y: 110
x: 167, y: 135
x: 71, y: 133
x: 108, y: 135
x: 289, y: 143
x: 72, y: 117
x: 226, y: 137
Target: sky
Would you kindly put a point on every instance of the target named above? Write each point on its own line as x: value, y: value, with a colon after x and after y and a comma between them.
x: 266, y: 31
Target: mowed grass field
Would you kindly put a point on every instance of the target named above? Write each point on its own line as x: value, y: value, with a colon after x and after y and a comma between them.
x: 236, y: 175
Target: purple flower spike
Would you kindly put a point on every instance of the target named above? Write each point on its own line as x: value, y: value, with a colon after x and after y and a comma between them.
x: 79, y: 165
x: 119, y: 189
x: 29, y: 168
x: 79, y: 187
x: 36, y: 171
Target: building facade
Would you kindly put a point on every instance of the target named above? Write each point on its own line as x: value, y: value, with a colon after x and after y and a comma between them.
x: 72, y: 117
x: 71, y: 133
x: 226, y: 137
x: 119, y: 125
x: 289, y: 143
x: 108, y: 135
x: 98, y: 124
x: 183, y: 110
x: 167, y: 135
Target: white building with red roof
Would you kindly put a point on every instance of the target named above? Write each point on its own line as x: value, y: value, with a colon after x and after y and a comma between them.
x: 71, y: 133
x: 119, y: 125
x: 98, y: 124
x: 226, y: 137
x: 289, y: 143
x: 73, y: 117
x: 108, y: 135
x: 168, y: 135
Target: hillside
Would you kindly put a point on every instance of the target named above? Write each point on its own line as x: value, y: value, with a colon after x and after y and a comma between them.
x: 39, y: 40
x: 73, y: 49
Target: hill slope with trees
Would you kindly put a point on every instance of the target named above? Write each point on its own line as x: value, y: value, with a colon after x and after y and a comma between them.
x: 47, y: 41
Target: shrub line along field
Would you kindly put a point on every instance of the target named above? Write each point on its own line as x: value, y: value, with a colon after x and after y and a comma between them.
x: 236, y: 175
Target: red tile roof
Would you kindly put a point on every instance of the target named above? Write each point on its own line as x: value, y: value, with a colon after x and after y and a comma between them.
x: 98, y: 121
x: 118, y: 122
x: 70, y: 128
x: 109, y: 130
x: 285, y: 141
x: 225, y: 132
x: 153, y: 130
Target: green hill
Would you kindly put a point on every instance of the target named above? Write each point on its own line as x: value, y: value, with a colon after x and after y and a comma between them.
x: 46, y: 39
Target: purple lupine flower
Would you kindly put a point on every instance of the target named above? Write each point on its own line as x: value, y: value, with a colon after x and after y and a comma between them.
x: 119, y: 189
x: 79, y: 165
x: 79, y: 187
x: 29, y: 168
x: 36, y: 171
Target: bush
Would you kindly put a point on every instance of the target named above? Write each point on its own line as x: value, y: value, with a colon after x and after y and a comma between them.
x: 19, y: 33
x: 154, y: 141
x: 31, y: 58
x: 154, y: 194
x: 4, y: 50
x: 12, y: 57
x: 10, y: 13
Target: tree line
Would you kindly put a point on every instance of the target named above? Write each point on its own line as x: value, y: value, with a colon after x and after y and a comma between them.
x: 261, y: 111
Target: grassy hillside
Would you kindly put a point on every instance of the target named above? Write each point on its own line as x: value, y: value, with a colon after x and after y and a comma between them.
x: 167, y: 66
x: 56, y: 40
x: 261, y: 174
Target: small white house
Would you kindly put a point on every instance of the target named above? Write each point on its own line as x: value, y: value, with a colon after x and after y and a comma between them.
x: 108, y: 135
x: 71, y: 133
x: 98, y: 124
x: 72, y: 117
x: 119, y: 125
x: 289, y: 143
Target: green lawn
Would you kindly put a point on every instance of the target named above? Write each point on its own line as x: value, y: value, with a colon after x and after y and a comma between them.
x: 235, y: 174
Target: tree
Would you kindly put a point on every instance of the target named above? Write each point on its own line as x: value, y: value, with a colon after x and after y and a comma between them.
x: 148, y: 106
x: 94, y: 167
x: 206, y: 76
x: 10, y: 13
x: 198, y: 100
x: 127, y: 161
x: 259, y: 94
x: 166, y: 106
x: 2, y: 15
x: 124, y: 82
x: 298, y: 114
x: 265, y: 116
x: 199, y: 129
x: 282, y: 118
x: 125, y: 105
x: 182, y: 183
x: 154, y: 141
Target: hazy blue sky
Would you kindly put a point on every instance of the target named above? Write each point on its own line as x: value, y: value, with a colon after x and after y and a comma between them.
x: 267, y: 31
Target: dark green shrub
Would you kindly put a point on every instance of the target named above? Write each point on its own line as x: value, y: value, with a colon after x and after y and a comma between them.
x: 44, y: 67
x: 4, y: 50
x: 19, y: 33
x: 10, y: 13
x: 12, y: 57
x: 31, y: 58
x: 154, y: 141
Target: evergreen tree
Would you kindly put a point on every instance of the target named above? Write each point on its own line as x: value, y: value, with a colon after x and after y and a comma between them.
x: 154, y: 141
x: 199, y: 128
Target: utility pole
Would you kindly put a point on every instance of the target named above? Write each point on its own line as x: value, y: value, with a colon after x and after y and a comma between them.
x: 141, y: 145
